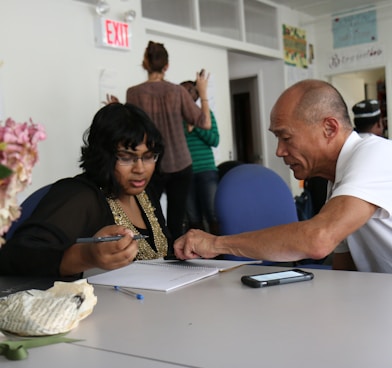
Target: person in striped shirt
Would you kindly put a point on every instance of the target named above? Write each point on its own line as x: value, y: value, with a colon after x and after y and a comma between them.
x: 200, y: 201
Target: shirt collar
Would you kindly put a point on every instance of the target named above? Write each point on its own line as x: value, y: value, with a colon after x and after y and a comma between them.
x: 344, y: 156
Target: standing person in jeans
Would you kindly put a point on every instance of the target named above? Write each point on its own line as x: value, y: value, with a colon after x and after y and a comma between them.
x: 201, y: 197
x: 168, y: 105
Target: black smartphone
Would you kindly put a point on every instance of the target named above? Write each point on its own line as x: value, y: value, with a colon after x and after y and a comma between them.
x: 276, y: 278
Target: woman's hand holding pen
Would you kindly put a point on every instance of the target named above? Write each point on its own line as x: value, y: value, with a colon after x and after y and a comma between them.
x: 107, y: 255
x: 110, y: 255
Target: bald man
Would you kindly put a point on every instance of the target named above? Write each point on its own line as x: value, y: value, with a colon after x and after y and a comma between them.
x: 315, y: 138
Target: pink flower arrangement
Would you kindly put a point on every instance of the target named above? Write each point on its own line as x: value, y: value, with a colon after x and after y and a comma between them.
x: 18, y: 155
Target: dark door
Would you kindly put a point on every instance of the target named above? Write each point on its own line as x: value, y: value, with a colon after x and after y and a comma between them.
x: 243, y: 127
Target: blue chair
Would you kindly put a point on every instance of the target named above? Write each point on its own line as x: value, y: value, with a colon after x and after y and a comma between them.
x: 27, y: 208
x: 252, y: 197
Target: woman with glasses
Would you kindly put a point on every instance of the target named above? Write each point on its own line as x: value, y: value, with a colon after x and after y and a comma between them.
x: 110, y: 198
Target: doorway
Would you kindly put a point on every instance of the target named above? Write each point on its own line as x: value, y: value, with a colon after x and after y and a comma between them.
x: 246, y: 126
x: 243, y: 127
x: 361, y: 85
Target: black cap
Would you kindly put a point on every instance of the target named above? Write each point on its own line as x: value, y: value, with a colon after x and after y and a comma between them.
x: 366, y: 109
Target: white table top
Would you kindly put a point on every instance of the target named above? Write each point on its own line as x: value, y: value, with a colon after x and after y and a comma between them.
x: 339, y: 319
x: 72, y: 356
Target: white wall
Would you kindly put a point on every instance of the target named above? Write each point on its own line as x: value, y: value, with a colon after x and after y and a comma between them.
x: 271, y: 84
x: 324, y: 50
x: 51, y: 71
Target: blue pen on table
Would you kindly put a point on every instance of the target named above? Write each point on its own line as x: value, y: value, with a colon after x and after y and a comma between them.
x: 129, y: 292
x: 108, y: 238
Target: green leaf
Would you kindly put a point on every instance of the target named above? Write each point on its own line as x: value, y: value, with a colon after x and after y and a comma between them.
x: 4, y: 171
x: 17, y: 350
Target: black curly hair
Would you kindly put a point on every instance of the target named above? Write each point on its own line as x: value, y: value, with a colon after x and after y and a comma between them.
x: 113, y: 125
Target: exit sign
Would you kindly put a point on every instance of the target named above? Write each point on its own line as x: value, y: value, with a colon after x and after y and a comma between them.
x: 112, y: 33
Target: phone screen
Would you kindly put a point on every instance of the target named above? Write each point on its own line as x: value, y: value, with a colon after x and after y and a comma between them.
x: 277, y: 275
x: 276, y: 278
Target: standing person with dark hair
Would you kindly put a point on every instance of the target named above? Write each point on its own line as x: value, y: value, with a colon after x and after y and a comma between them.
x: 367, y: 118
x: 201, y: 197
x: 111, y: 197
x: 168, y: 105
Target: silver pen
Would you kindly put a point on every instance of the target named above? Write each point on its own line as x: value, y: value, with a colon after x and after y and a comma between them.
x: 101, y: 239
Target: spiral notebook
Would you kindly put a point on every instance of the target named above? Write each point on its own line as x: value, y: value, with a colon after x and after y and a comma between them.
x: 163, y: 275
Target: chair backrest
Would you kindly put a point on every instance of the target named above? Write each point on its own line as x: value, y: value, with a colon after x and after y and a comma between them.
x: 27, y: 208
x: 226, y: 166
x: 252, y: 197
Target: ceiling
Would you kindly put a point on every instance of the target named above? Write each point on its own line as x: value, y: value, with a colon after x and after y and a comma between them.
x: 316, y: 8
x: 321, y: 8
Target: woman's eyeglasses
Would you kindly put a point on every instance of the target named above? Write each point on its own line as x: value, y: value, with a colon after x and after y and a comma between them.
x: 130, y: 159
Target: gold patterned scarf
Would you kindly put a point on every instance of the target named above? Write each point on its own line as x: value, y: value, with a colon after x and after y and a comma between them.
x: 160, y: 241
